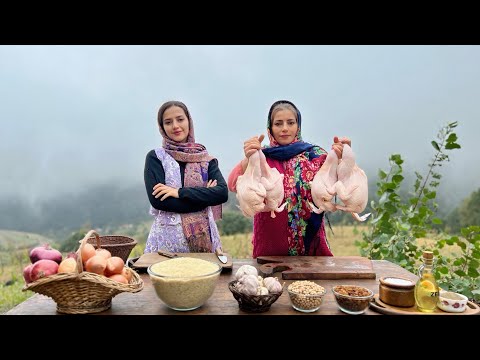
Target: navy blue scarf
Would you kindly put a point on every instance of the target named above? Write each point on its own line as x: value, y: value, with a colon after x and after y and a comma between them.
x: 286, y: 152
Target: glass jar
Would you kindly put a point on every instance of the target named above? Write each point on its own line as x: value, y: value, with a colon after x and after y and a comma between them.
x: 426, y: 288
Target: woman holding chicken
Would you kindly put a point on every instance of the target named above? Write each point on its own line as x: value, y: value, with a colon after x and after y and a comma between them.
x: 296, y: 230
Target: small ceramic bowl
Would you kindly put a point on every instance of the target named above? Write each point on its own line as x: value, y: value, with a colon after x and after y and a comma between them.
x: 452, y: 302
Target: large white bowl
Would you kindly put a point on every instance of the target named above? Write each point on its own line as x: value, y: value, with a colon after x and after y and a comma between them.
x: 184, y: 283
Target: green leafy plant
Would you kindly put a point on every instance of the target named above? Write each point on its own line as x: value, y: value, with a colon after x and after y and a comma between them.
x: 396, y: 224
x: 459, y: 272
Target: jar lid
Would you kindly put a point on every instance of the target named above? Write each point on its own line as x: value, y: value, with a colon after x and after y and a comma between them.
x: 397, y: 282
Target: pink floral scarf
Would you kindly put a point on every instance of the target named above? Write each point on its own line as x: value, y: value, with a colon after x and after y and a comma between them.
x: 195, y: 225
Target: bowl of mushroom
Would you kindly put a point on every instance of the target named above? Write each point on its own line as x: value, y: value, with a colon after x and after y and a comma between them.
x: 252, y: 292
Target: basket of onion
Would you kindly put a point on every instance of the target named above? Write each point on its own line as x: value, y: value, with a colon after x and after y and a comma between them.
x: 86, y: 282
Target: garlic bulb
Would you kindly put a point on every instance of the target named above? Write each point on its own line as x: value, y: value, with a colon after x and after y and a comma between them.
x: 247, y: 285
x: 245, y: 270
x: 272, y: 284
x: 262, y: 290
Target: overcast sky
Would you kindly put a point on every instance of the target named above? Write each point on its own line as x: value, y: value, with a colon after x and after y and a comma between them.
x: 72, y: 116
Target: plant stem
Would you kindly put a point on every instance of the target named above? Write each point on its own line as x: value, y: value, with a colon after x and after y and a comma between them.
x: 429, y: 173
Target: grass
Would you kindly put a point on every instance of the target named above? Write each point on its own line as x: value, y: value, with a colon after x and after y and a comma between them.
x: 21, y: 240
x: 12, y: 295
x: 342, y: 242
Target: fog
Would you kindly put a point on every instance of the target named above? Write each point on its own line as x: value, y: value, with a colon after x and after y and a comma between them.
x: 74, y: 116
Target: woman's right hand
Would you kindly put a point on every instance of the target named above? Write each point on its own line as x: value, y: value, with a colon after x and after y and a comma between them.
x: 252, y: 145
x: 211, y: 183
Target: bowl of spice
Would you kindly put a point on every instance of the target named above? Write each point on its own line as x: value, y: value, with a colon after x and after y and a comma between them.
x: 352, y: 299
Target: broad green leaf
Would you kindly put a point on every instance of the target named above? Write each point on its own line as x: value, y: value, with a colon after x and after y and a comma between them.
x: 460, y: 273
x: 472, y: 272
x: 452, y: 137
x: 474, y: 264
x: 452, y: 146
x: 443, y: 269
x: 459, y: 261
x: 431, y: 195
x: 397, y: 179
x: 435, y: 145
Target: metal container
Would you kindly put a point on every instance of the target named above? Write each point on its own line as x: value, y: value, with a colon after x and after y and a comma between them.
x: 397, y: 291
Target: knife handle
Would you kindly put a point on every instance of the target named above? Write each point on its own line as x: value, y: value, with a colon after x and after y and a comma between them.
x: 219, y: 251
x: 166, y: 253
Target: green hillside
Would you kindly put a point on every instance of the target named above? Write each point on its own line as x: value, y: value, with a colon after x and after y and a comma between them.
x: 13, y: 240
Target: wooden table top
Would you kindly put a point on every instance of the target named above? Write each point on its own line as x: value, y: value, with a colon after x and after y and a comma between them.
x: 222, y: 301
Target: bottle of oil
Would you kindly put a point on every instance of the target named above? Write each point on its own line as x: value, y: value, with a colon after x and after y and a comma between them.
x: 426, y: 288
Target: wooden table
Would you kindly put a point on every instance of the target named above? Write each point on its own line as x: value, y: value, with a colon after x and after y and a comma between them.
x: 222, y: 301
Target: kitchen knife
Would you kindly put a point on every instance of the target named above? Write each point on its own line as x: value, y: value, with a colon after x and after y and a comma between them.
x: 221, y: 256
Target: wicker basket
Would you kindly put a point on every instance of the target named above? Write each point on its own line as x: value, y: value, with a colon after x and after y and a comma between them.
x: 83, y: 292
x: 120, y: 246
x: 253, y: 303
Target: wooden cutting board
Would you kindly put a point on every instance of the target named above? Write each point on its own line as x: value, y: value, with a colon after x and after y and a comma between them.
x: 379, y: 306
x: 148, y: 259
x: 317, y: 267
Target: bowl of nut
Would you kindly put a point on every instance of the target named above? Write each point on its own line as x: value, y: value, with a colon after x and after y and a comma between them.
x: 306, y: 296
x: 352, y: 299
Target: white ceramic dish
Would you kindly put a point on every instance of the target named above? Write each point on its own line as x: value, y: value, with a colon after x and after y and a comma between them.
x: 452, y: 302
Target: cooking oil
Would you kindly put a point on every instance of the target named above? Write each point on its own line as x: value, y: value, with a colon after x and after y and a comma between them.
x: 426, y: 288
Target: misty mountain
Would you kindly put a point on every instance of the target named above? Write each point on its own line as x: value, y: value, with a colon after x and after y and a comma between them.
x: 109, y: 205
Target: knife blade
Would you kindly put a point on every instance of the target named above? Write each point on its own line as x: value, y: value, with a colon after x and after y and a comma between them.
x: 221, y: 256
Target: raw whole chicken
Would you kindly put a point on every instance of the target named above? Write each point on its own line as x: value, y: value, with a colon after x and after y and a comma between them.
x: 325, y: 179
x: 352, y: 185
x: 272, y: 181
x: 250, y: 191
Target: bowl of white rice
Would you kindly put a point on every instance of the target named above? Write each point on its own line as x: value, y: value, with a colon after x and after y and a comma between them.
x: 184, y: 283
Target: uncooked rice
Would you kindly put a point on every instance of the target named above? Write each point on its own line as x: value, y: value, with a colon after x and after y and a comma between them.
x: 183, y: 267
x: 186, y: 282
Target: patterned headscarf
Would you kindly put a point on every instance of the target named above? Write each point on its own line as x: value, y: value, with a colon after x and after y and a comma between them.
x: 195, y: 225
x: 301, y: 161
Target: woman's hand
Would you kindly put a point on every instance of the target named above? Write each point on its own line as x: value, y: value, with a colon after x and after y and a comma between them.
x: 252, y: 145
x: 211, y: 183
x: 338, y: 145
x: 162, y: 189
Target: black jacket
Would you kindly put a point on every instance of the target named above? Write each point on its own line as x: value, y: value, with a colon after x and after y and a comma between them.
x: 191, y: 199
